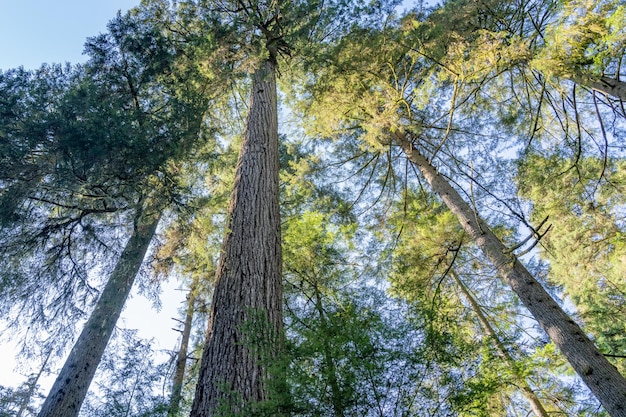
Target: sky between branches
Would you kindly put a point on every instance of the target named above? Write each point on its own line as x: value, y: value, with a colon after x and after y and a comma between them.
x: 33, y: 32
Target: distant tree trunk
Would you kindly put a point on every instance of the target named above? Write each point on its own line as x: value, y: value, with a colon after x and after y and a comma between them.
x: 68, y: 392
x: 181, y: 357
x: 329, y: 362
x: 32, y: 386
x: 531, y: 397
x: 602, y: 378
x: 248, y: 288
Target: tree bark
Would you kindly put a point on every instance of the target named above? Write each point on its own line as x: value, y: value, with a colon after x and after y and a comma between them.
x: 248, y: 290
x: 70, y: 388
x: 608, y: 86
x: 181, y: 357
x: 531, y: 397
x: 602, y: 378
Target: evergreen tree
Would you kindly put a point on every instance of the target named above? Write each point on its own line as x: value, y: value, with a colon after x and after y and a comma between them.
x: 127, y: 101
x: 130, y: 380
x: 70, y: 388
x: 397, y: 107
x: 248, y: 287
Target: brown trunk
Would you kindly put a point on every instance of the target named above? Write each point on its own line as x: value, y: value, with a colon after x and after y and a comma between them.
x: 602, y: 378
x: 181, y: 357
x: 69, y: 390
x: 533, y: 400
x: 248, y: 288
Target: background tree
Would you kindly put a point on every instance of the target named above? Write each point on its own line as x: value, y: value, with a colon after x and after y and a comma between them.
x: 470, y: 321
x: 387, y: 104
x: 99, y: 135
x: 584, y: 248
x: 131, y: 382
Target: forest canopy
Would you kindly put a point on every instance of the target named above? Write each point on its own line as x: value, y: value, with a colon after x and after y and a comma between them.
x: 372, y: 208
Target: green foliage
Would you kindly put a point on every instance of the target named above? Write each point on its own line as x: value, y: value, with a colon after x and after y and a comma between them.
x: 345, y: 354
x: 587, y: 39
x: 431, y: 239
x: 585, y: 248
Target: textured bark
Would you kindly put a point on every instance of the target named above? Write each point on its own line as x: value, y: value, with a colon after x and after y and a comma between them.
x: 602, y: 378
x: 181, y: 357
x: 531, y: 397
x: 68, y: 392
x: 248, y: 282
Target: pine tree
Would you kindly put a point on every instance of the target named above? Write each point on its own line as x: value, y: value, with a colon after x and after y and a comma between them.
x: 70, y: 388
x: 118, y: 128
x: 402, y: 106
x: 248, y: 278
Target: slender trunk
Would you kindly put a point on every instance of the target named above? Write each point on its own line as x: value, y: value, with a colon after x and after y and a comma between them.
x: 246, y: 313
x: 181, y: 357
x: 68, y: 392
x: 533, y: 400
x: 33, y: 386
x: 329, y: 363
x: 602, y: 378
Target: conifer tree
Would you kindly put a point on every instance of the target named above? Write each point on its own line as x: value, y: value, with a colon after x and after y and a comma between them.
x: 248, y: 284
x: 110, y: 144
x: 397, y: 102
x: 602, y: 378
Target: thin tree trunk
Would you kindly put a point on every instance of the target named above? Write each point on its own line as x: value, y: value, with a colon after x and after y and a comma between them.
x: 602, y: 378
x: 70, y: 388
x: 248, y: 288
x: 329, y: 363
x: 181, y: 357
x: 533, y: 400
x: 33, y: 386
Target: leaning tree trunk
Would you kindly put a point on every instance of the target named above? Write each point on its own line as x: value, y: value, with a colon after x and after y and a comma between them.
x: 531, y: 397
x: 602, y: 378
x: 330, y: 369
x: 70, y: 388
x: 246, y: 312
x: 181, y: 357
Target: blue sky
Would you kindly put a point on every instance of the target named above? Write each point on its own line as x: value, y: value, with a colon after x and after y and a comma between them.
x: 36, y: 31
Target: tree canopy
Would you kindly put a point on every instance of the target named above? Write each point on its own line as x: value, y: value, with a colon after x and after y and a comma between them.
x: 425, y: 213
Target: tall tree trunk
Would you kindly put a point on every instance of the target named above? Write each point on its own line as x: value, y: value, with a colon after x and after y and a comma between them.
x: 70, y: 388
x: 181, y: 357
x: 531, y: 397
x: 248, y: 288
x: 602, y: 378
